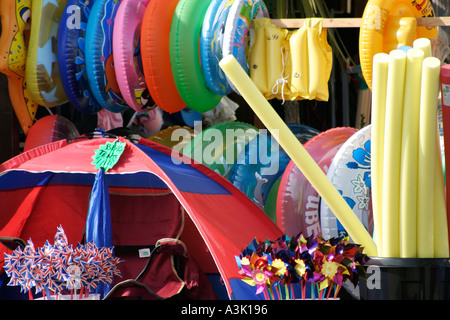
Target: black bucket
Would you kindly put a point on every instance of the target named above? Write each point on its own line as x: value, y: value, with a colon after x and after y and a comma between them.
x: 406, y: 279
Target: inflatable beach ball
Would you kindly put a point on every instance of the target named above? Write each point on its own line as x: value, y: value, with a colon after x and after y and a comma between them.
x: 350, y: 173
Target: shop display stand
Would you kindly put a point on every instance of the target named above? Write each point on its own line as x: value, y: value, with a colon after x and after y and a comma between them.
x: 395, y: 278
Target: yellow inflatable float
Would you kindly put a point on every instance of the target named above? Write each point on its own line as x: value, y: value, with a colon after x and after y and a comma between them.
x: 15, y: 16
x: 389, y: 24
x: 42, y: 68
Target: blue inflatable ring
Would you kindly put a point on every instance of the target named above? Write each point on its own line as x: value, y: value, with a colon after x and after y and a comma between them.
x: 99, y: 55
x: 71, y: 56
x: 211, y: 41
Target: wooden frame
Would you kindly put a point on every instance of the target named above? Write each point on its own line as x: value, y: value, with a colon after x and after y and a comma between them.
x: 353, y: 22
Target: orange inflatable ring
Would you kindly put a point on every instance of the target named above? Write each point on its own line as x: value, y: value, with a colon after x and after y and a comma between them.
x: 388, y: 24
x: 15, y: 15
x: 155, y: 34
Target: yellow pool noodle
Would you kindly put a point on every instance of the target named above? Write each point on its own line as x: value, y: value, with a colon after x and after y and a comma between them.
x: 298, y: 154
x: 426, y: 158
x: 441, y: 245
x: 423, y: 44
x: 409, y: 154
x: 379, y: 81
x: 391, y: 159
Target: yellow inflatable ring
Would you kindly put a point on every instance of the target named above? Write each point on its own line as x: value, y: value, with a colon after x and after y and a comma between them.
x: 388, y: 24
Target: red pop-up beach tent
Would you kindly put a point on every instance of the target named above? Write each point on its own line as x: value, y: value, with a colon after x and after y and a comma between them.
x: 51, y: 185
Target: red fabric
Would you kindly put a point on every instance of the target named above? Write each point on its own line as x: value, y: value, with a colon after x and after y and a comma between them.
x: 162, y: 279
x: 143, y: 220
x: 226, y: 223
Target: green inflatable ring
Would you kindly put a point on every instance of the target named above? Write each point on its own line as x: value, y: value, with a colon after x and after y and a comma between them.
x: 185, y: 56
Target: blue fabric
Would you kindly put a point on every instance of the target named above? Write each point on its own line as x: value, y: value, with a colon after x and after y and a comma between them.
x: 98, y: 222
x: 185, y: 177
x: 24, y: 179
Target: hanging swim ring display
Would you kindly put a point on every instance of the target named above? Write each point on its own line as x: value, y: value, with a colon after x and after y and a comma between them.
x: 349, y: 172
x: 237, y: 37
x: 99, y: 56
x: 211, y: 42
x: 185, y: 57
x: 71, y: 55
x: 127, y: 54
x: 388, y: 24
x: 155, y: 35
x: 218, y: 146
x: 13, y: 52
x: 42, y: 69
x: 298, y: 203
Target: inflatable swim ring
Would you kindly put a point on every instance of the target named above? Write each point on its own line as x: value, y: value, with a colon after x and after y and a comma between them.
x: 303, y: 134
x: 42, y: 69
x: 211, y: 42
x: 237, y: 37
x: 71, y: 56
x: 297, y: 207
x: 218, y: 146
x: 99, y: 56
x: 258, y: 167
x: 387, y: 24
x: 155, y: 33
x: 350, y: 172
x: 185, y: 57
x: 13, y: 51
x: 126, y: 51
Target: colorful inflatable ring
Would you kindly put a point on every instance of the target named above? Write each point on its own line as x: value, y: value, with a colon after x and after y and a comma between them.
x: 99, y: 56
x: 349, y: 172
x: 155, y: 33
x: 126, y: 51
x: 297, y: 207
x: 218, y: 146
x: 237, y: 38
x: 13, y: 51
x: 42, y: 69
x: 211, y: 40
x: 185, y: 57
x: 258, y: 167
x: 71, y: 56
x: 381, y: 30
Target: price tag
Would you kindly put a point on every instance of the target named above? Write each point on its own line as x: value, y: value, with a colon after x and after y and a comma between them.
x: 108, y: 154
